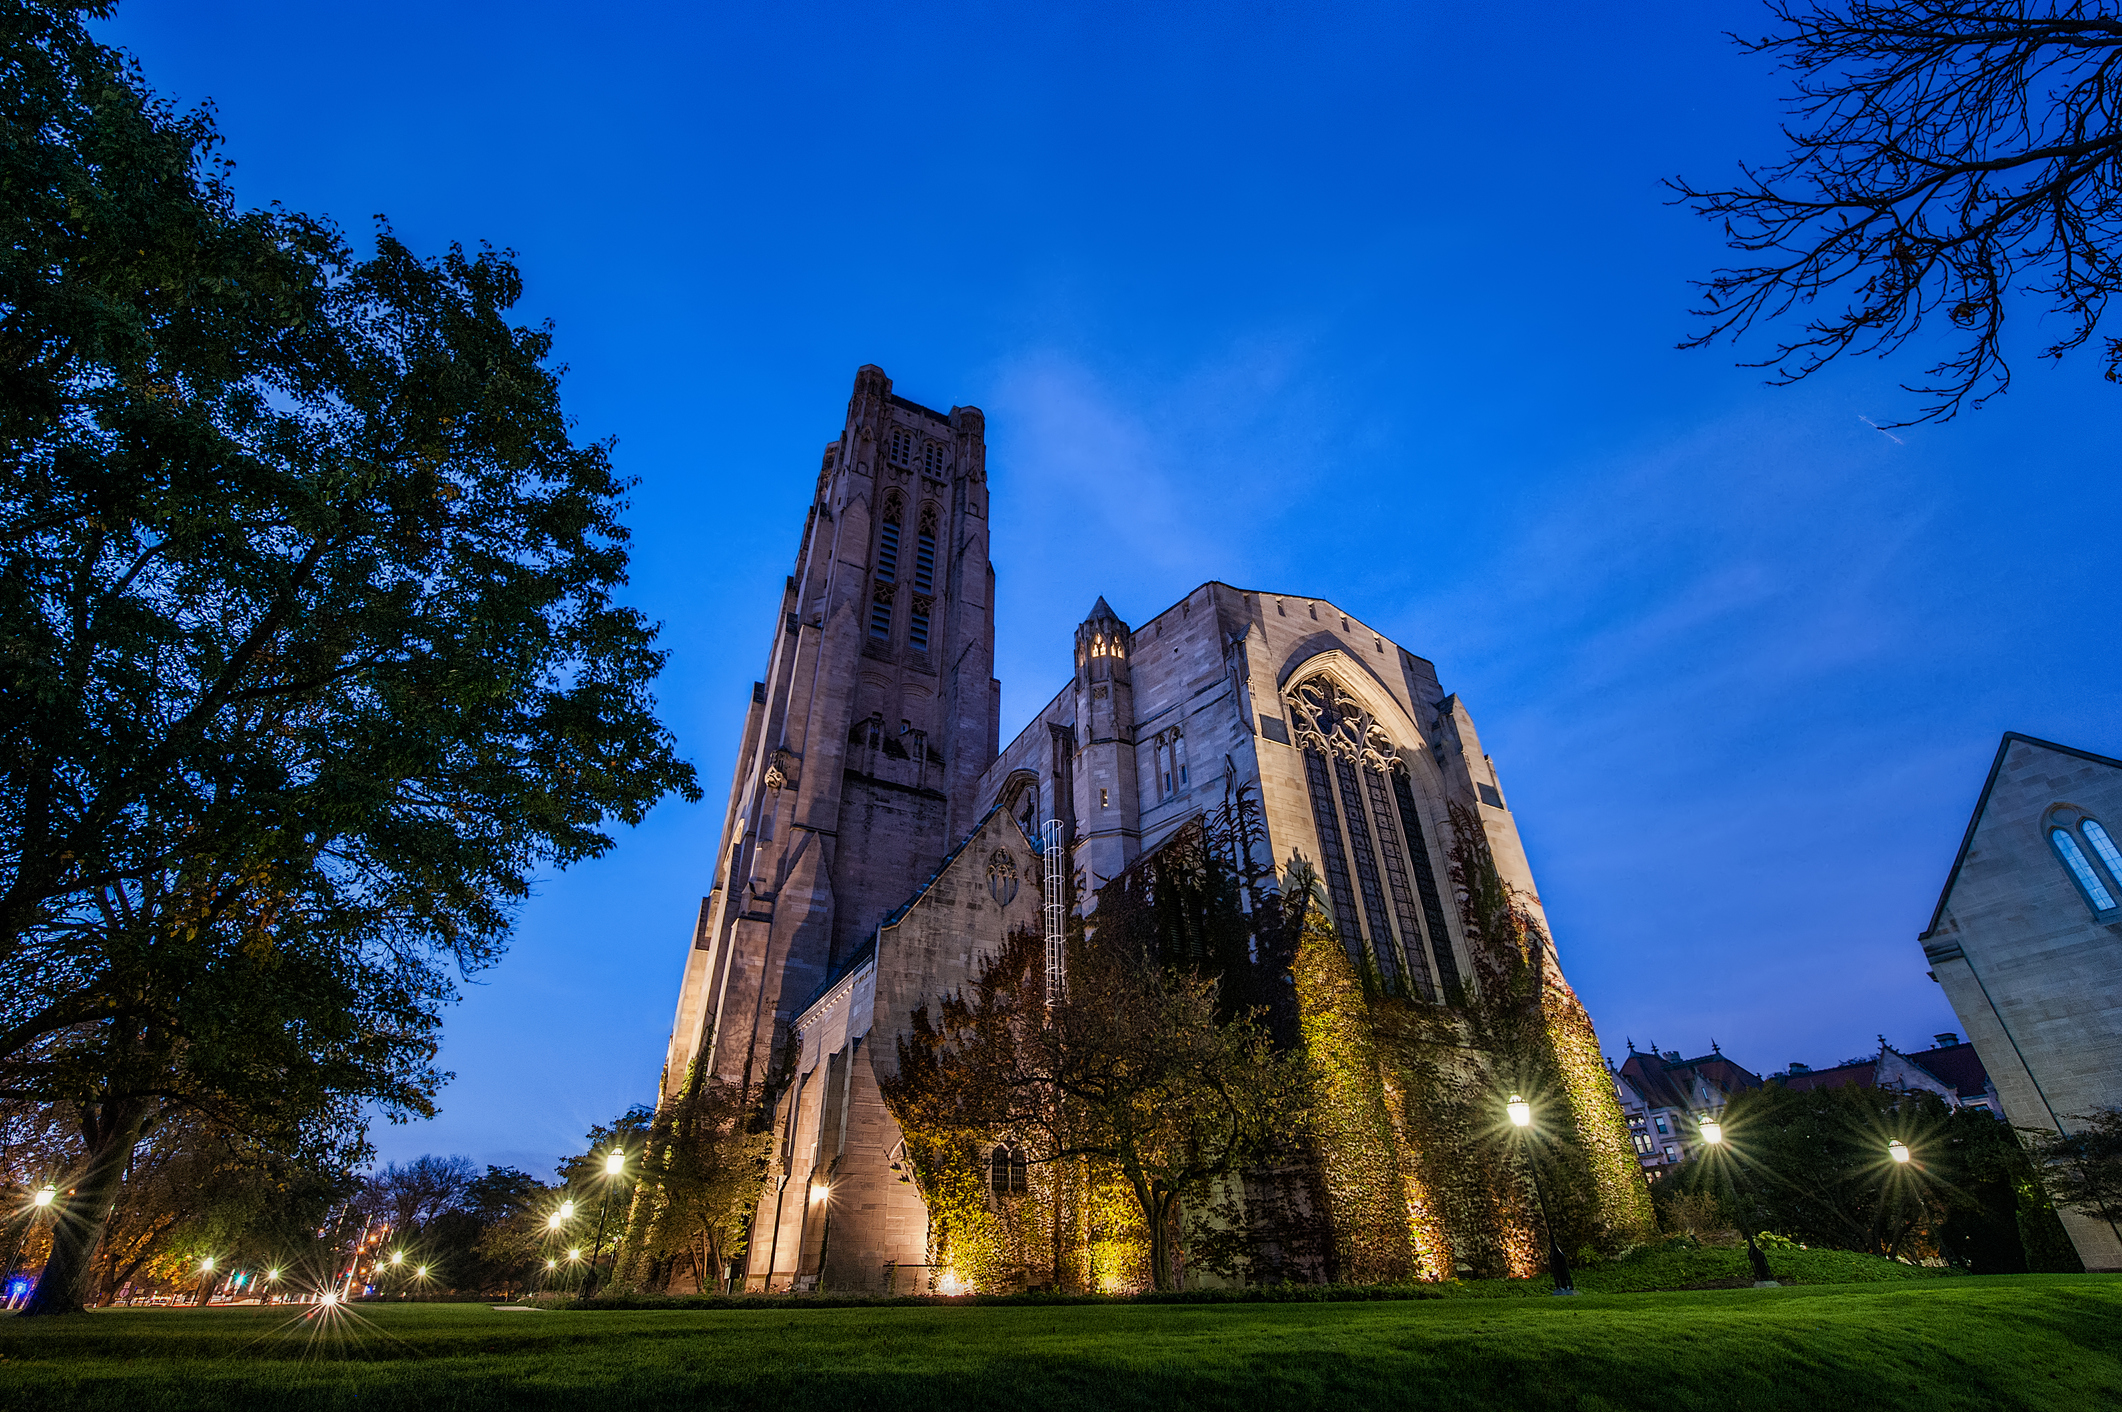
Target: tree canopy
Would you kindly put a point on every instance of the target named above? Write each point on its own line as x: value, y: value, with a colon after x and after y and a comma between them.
x: 312, y: 654
x: 1945, y: 157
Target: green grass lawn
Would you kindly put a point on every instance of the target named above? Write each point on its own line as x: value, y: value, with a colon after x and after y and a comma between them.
x: 2034, y: 1341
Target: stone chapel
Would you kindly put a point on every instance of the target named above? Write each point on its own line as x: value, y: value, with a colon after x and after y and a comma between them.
x: 880, y: 835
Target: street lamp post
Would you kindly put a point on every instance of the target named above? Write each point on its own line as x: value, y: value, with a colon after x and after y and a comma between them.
x: 1713, y: 1134
x: 1896, y: 1186
x: 40, y: 1201
x: 1521, y: 1117
x: 614, y: 1165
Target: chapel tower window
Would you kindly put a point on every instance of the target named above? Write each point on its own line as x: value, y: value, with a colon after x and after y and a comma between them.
x: 925, y: 554
x: 888, y: 541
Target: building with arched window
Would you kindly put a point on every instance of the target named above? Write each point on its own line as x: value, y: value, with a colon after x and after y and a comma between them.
x: 2027, y: 942
x: 881, y: 837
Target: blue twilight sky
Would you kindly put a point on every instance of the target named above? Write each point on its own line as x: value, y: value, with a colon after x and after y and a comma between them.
x: 1370, y: 302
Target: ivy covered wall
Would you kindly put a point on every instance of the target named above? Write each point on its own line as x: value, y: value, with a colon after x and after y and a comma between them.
x: 1405, y: 1166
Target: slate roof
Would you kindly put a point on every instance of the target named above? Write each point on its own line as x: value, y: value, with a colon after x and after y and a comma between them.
x: 1864, y: 1075
x: 1666, y: 1084
x: 1957, y: 1065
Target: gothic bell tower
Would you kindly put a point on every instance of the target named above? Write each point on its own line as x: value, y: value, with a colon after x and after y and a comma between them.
x: 1108, y: 803
x: 862, y: 753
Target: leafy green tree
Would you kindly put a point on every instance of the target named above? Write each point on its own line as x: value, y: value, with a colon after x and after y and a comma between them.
x: 501, y: 1193
x: 1815, y: 1166
x: 1134, y: 1067
x: 311, y: 655
x: 195, y: 1189
x: 1945, y: 157
x: 703, y: 1166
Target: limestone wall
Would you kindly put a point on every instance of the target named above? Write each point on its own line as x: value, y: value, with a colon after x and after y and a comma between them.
x: 2031, y: 969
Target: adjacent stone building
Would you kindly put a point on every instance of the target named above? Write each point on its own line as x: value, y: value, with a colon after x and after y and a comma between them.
x: 880, y: 837
x: 2027, y: 942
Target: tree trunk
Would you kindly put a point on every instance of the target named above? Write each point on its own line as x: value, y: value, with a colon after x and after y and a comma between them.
x: 79, y: 1216
x: 1160, y: 1253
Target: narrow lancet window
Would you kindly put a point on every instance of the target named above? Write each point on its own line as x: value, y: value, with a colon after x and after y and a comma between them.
x: 2081, y: 869
x: 926, y: 561
x: 1381, y: 927
x: 888, y: 542
x: 2096, y: 835
x: 888, y: 554
x: 917, y: 629
x: 1440, y: 946
x: 1332, y: 856
x: 880, y: 617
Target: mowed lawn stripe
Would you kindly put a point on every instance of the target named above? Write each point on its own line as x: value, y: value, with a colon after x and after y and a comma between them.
x: 2035, y: 1342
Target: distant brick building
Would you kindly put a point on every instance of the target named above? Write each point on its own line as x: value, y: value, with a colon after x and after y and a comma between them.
x: 1664, y: 1098
x: 1952, y: 1070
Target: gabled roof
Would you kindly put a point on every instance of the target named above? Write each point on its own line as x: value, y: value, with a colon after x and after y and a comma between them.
x: 1996, y: 767
x: 1864, y: 1075
x: 1956, y: 1065
x: 1654, y: 1076
x: 862, y: 954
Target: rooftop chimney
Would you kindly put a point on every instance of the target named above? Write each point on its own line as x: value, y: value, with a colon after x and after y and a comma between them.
x: 1797, y: 1068
x: 1946, y: 1039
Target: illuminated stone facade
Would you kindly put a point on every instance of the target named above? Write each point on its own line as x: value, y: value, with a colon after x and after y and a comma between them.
x: 879, y: 837
x: 2027, y: 942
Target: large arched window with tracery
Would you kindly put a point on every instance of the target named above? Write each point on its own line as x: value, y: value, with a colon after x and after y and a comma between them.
x: 1373, y: 853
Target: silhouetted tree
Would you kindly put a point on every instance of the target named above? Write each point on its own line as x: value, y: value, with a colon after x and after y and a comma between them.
x: 1945, y: 155
x: 2083, y: 1168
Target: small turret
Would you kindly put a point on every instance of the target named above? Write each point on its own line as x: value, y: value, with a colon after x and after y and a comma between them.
x: 1108, y: 801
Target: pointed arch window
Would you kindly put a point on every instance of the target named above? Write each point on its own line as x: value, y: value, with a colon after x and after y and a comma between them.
x: 925, y: 554
x: 880, y: 615
x: 888, y: 543
x: 2091, y: 885
x: 917, y: 626
x: 2096, y: 834
x: 1373, y: 855
x: 1007, y: 1172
